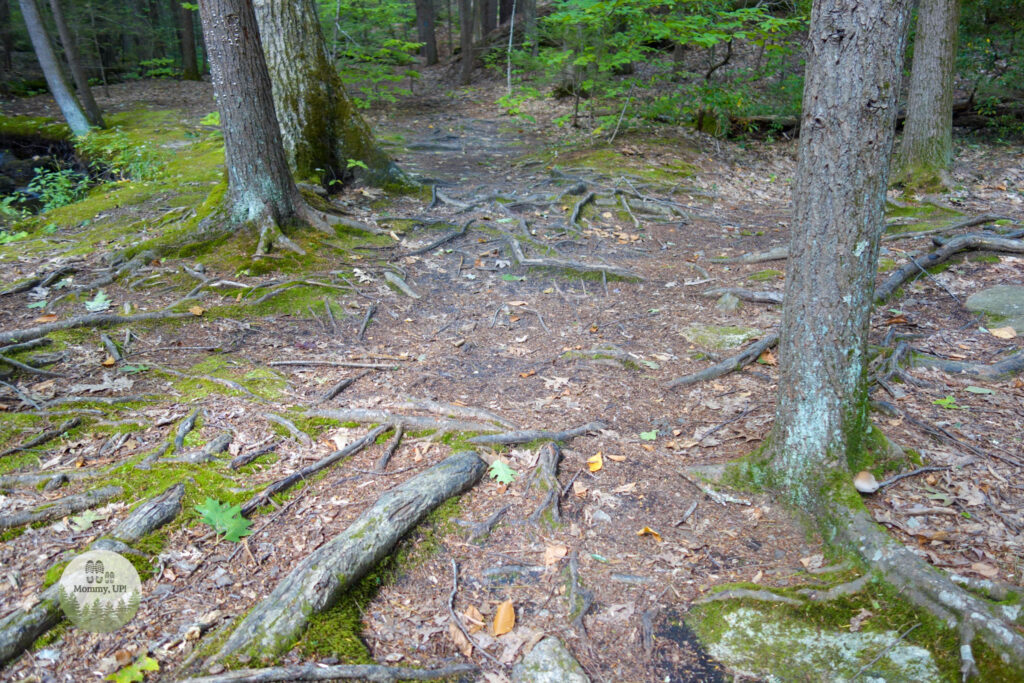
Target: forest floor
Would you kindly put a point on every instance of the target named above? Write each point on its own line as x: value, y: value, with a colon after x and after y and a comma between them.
x: 543, y: 348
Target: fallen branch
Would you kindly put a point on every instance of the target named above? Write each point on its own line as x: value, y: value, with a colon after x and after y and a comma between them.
x: 528, y: 435
x: 274, y: 624
x: 243, y: 459
x: 981, y: 371
x: 766, y: 297
x: 745, y: 357
x: 396, y: 440
x: 943, y: 254
x: 773, y: 254
x: 401, y: 285
x: 62, y: 507
x: 21, y: 628
x: 368, y: 415
x: 48, y: 435
x: 377, y: 673
x: 332, y: 364
x: 286, y: 483
x: 366, y: 321
x: 93, y: 320
x: 717, y: 496
x: 748, y: 594
x: 566, y: 264
x: 340, y: 387
x: 28, y: 368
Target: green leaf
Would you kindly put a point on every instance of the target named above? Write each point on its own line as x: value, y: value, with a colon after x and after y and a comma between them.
x: 502, y: 472
x: 135, y: 672
x: 36, y: 304
x: 979, y: 390
x: 508, y: 277
x: 84, y: 521
x: 131, y: 369
x: 649, y: 436
x: 651, y: 364
x: 100, y: 302
x: 949, y: 403
x: 225, y: 519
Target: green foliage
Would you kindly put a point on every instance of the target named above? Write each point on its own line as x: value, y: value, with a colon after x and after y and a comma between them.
x: 949, y: 403
x: 160, y: 67
x: 991, y: 56
x: 113, y: 155
x: 501, y: 472
x: 649, y: 436
x: 58, y: 187
x: 211, y: 119
x: 100, y: 302
x: 226, y: 519
x: 136, y: 671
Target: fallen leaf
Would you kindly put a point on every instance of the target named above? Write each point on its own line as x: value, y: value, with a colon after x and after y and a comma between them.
x: 812, y: 561
x: 504, y: 618
x: 1003, y: 332
x: 579, y: 489
x: 625, y: 488
x: 595, y: 462
x: 462, y: 643
x: 617, y: 458
x: 475, y: 619
x: 108, y: 361
x: 553, y: 553
x: 196, y: 310
x: 48, y: 318
x: 986, y: 570
x: 757, y: 577
x: 529, y: 373
x: 767, y: 358
x: 859, y: 618
x: 648, y: 531
x: 516, y: 303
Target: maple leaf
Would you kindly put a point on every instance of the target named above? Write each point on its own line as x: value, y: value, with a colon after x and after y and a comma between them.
x: 135, y: 672
x: 502, y: 472
x: 100, y: 302
x: 225, y: 519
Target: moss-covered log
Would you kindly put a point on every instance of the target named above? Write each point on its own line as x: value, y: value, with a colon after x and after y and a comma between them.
x: 318, y: 581
x: 61, y: 507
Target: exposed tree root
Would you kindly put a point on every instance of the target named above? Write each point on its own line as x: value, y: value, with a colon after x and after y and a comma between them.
x: 767, y: 297
x: 326, y: 222
x: 263, y: 497
x: 340, y: 387
x: 566, y: 264
x: 269, y: 235
x: 410, y: 421
x: 980, y: 371
x: 941, y: 255
x: 774, y: 254
x: 377, y: 673
x: 300, y: 435
x: 48, y: 435
x: 745, y: 357
x: 21, y: 628
x: 580, y: 599
x: 243, y: 459
x: 62, y: 507
x: 458, y: 622
x: 206, y: 454
x: 545, y: 479
x: 274, y: 624
x: 927, y: 587
x: 402, y: 285
x: 389, y: 452
x: 748, y: 594
x: 478, y: 531
x: 528, y: 435
x: 92, y: 320
x: 452, y: 410
x: 442, y: 241
x: 843, y: 589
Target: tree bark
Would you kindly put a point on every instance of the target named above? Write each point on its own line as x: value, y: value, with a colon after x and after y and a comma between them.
x: 66, y: 100
x: 488, y: 16
x: 186, y: 40
x: 318, y: 580
x: 505, y: 10
x: 6, y: 36
x: 927, y: 148
x: 320, y: 128
x: 425, y: 32
x: 854, y: 62
x: 67, y: 41
x: 465, y: 40
x: 260, y: 187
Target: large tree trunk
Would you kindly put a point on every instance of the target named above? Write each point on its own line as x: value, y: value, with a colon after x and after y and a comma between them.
x: 927, y: 148
x: 66, y: 100
x: 822, y: 430
x: 854, y: 62
x: 186, y: 40
x: 466, y: 40
x: 320, y: 128
x: 260, y: 186
x: 425, y: 30
x: 6, y: 36
x: 92, y: 110
x: 505, y: 10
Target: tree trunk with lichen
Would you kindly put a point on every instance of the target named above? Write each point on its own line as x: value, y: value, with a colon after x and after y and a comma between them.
x: 822, y: 432
x: 324, y: 136
x: 927, y: 148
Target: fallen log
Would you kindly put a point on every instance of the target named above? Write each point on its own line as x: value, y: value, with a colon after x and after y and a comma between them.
x: 377, y: 673
x: 317, y: 582
x: 745, y: 357
x: 980, y: 371
x: 757, y: 297
x: 20, y: 629
x: 528, y: 435
x: 411, y: 422
x: 62, y: 507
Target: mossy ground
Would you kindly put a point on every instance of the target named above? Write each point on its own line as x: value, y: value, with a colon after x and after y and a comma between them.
x: 918, y: 218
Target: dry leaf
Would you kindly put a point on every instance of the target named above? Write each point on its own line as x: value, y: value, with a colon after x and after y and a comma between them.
x: 757, y: 577
x: 625, y: 488
x: 461, y: 642
x: 108, y: 361
x: 196, y: 310
x: 812, y: 561
x: 553, y: 553
x: 859, y: 619
x: 475, y: 619
x: 648, y: 531
x: 986, y: 570
x: 617, y: 458
x: 1003, y: 332
x: 579, y: 489
x: 504, y: 618
x: 48, y: 318
x: 529, y: 373
x: 516, y: 303
x: 768, y: 358
x: 595, y: 462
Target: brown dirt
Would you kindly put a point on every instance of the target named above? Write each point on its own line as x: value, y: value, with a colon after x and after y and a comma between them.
x: 480, y: 340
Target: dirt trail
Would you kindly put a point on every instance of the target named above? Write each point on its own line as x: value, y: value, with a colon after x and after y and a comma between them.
x: 542, y: 348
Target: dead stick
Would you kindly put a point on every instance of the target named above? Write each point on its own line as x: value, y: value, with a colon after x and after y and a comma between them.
x: 28, y: 368
x: 245, y: 458
x: 458, y: 622
x: 340, y: 387
x: 382, y: 464
x: 366, y: 321
x: 44, y: 437
x: 333, y: 364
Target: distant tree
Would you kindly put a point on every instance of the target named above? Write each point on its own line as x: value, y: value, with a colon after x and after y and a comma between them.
x: 66, y: 100
x: 186, y: 40
x: 324, y: 136
x: 67, y: 41
x: 927, y: 148
x: 6, y: 36
x: 425, y: 32
x: 466, y: 40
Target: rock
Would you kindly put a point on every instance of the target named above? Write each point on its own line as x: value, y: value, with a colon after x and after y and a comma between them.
x: 549, y: 662
x: 728, y: 303
x: 1005, y: 301
x: 720, y: 337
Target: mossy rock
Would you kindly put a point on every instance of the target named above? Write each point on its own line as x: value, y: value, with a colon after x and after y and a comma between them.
x: 720, y: 337
x: 1002, y: 303
x: 766, y: 275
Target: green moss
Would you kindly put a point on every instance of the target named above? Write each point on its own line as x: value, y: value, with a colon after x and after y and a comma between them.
x: 983, y: 258
x: 54, y: 573
x: 50, y: 637
x: 720, y: 337
x: 11, y: 534
x: 927, y: 217
x: 34, y: 127
x: 766, y: 275
x: 752, y: 472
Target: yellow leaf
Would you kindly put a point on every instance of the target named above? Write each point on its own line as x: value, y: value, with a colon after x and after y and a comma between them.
x: 48, y: 318
x: 516, y: 303
x: 648, y: 531
x: 553, y: 553
x: 768, y: 358
x: 108, y: 361
x: 196, y: 310
x: 475, y: 619
x: 595, y: 462
x: 504, y: 618
x: 1003, y: 332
